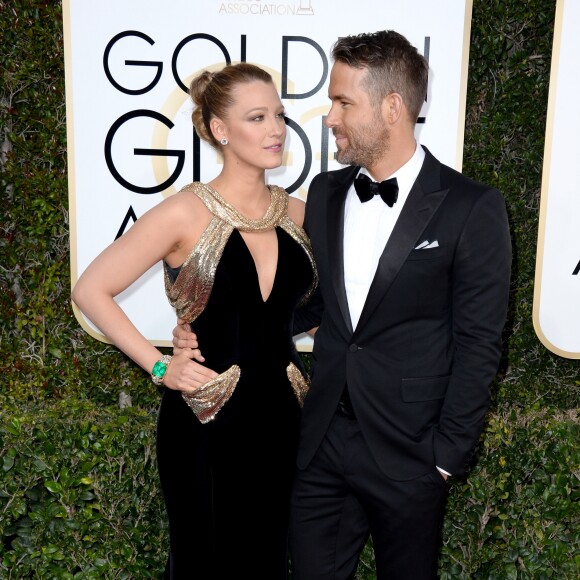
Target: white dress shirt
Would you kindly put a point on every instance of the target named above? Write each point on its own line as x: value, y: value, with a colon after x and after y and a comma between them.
x: 367, y: 228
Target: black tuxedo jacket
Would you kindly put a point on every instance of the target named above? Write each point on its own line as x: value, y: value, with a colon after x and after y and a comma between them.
x: 420, y: 362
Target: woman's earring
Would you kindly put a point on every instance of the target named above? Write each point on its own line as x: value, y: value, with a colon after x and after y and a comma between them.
x: 224, y: 141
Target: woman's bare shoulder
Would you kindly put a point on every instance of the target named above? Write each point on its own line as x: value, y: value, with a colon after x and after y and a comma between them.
x: 187, y: 205
x: 187, y: 217
x: 296, y: 210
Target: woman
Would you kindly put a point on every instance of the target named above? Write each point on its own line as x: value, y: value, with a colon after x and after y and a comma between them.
x: 236, y: 264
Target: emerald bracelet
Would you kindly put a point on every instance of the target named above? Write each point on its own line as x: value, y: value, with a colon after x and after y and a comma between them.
x: 160, y: 368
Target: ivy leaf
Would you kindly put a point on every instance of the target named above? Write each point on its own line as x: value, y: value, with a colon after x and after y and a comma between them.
x: 53, y: 486
x: 8, y: 460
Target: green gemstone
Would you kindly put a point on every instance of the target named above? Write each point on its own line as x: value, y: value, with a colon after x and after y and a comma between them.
x: 159, y: 369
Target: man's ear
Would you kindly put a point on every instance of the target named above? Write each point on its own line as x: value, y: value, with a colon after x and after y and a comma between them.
x: 393, y: 108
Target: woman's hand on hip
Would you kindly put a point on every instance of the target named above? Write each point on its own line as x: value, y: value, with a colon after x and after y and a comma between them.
x: 185, y: 374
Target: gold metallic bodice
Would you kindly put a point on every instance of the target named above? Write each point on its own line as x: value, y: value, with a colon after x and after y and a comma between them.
x: 190, y: 292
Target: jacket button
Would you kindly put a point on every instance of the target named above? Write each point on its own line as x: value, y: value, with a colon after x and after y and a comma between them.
x: 353, y: 348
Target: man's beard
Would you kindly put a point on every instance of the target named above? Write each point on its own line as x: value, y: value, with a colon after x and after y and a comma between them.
x: 366, y: 145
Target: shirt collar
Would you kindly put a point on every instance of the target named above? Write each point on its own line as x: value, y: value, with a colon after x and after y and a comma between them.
x: 407, y: 173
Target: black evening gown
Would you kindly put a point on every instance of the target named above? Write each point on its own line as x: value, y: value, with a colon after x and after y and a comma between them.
x: 226, y: 483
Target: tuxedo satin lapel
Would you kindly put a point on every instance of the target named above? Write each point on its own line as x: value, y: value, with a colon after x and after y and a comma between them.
x: 422, y: 202
x: 338, y: 188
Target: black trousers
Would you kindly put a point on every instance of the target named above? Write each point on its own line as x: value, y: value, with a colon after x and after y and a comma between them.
x: 343, y: 496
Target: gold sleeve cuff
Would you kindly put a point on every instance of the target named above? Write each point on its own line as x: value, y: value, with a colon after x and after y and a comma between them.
x: 208, y: 400
x: 211, y: 397
x: 299, y: 382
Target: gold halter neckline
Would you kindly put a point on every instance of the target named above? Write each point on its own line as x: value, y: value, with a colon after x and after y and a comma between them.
x: 228, y: 213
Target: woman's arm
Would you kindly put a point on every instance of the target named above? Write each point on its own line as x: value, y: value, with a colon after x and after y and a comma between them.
x: 164, y: 232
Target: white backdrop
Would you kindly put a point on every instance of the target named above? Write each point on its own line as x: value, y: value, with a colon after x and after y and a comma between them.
x: 557, y: 287
x: 130, y: 137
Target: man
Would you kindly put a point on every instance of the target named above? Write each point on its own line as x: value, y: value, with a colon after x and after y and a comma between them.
x: 412, y: 301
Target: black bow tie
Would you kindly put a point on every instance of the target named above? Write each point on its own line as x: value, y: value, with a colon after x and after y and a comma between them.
x: 367, y: 189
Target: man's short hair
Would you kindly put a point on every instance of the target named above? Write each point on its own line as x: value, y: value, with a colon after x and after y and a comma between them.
x: 393, y: 65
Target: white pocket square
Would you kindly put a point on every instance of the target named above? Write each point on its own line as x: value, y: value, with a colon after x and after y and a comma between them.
x: 427, y: 245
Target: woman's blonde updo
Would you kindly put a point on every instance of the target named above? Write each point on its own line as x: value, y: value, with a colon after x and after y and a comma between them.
x: 212, y: 95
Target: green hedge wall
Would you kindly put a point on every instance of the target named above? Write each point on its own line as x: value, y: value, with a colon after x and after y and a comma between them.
x: 79, y: 496
x: 79, y: 493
